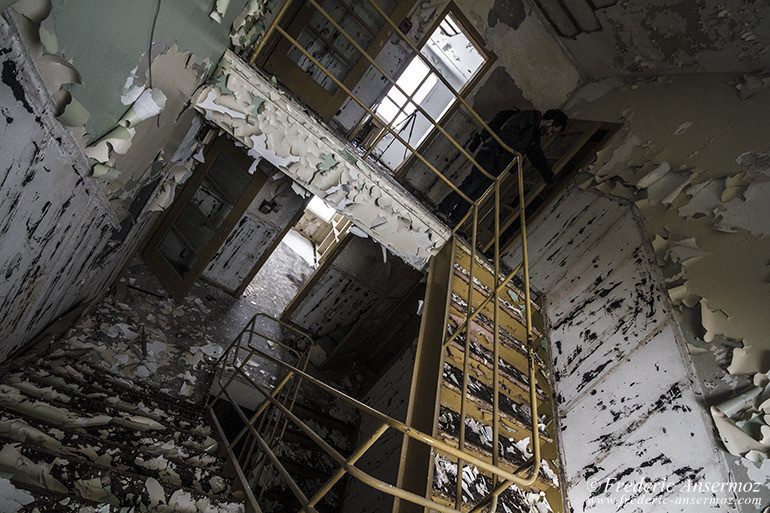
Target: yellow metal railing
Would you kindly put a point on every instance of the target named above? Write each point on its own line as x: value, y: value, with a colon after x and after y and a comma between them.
x: 502, y: 479
x: 264, y: 428
x: 347, y: 465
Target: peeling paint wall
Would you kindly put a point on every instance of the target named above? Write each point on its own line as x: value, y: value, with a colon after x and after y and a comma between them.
x: 84, y: 220
x: 629, y: 409
x: 254, y: 234
x: 273, y: 127
x: 651, y: 37
x: 97, y: 59
x: 55, y: 248
x: 390, y: 395
x: 359, y: 276
x: 119, y: 62
x: 693, y: 156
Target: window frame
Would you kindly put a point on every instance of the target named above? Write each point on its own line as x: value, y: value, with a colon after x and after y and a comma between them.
x: 476, y: 40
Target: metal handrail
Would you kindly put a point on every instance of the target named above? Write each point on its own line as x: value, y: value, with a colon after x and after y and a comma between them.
x: 347, y: 465
x: 502, y: 478
x: 268, y: 423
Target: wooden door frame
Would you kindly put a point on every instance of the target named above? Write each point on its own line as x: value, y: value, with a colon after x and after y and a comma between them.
x: 177, y: 285
x: 261, y: 261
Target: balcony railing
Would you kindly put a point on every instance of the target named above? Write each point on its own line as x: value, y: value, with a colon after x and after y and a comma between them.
x: 240, y: 355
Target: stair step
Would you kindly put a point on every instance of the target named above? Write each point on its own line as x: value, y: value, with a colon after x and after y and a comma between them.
x: 482, y: 358
x: 324, y: 418
x: 108, y: 453
x: 87, y: 374
x: 50, y: 472
x: 13, y: 400
x: 147, y: 446
x: 278, y: 490
x: 475, y: 487
x: 86, y: 395
x: 93, y: 370
x: 311, y: 458
x: 72, y: 408
x: 339, y: 441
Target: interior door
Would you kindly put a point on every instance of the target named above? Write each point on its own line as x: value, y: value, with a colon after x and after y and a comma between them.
x: 318, y: 36
x: 202, y: 216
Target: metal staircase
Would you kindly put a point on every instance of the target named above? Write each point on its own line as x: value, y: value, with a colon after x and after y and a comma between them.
x: 480, y: 405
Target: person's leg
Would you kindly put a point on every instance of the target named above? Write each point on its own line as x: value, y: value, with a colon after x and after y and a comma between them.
x: 474, y: 185
x: 449, y: 203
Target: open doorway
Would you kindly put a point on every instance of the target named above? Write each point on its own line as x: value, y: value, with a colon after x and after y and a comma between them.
x: 305, y: 247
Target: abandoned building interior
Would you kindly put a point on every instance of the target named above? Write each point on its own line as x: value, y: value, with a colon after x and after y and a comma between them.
x: 225, y: 286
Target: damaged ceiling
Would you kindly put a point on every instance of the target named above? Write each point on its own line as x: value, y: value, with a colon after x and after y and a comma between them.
x: 651, y: 37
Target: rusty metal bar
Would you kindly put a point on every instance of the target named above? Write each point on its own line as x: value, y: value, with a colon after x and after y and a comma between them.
x: 261, y: 409
x: 347, y: 466
x: 271, y: 455
x: 398, y: 425
x: 328, y: 485
x: 234, y: 462
x: 496, y: 351
x: 466, y: 363
x: 530, y: 340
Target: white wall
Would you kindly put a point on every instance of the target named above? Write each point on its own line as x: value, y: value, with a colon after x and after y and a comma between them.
x: 629, y: 408
x: 56, y: 225
x: 254, y: 234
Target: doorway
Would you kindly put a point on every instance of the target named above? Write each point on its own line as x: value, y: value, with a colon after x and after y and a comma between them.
x: 202, y: 216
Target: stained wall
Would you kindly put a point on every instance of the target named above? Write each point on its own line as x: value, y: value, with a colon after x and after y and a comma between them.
x: 629, y: 407
x: 693, y: 157
x: 56, y: 251
x: 71, y: 70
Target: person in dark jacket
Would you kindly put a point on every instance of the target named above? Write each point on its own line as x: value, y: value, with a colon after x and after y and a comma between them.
x: 522, y: 132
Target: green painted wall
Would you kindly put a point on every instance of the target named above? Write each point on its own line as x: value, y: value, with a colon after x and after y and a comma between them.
x: 107, y: 39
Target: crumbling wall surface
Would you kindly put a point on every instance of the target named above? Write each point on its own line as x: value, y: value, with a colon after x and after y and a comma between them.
x: 121, y: 74
x: 629, y: 410
x: 273, y: 127
x: 54, y: 221
x: 254, y: 234
x: 658, y: 36
x: 390, y: 395
x: 360, y: 275
x: 695, y: 157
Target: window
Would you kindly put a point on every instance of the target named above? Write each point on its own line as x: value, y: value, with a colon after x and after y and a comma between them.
x: 321, y: 39
x: 455, y: 52
x: 321, y: 209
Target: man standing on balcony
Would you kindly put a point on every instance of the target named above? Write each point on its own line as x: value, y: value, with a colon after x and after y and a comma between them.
x: 521, y: 132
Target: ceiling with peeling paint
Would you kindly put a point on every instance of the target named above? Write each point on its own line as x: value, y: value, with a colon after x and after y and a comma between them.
x: 650, y: 37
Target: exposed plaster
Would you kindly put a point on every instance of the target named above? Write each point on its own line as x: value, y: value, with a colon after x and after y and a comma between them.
x: 693, y: 155
x: 660, y: 36
x: 536, y: 62
x: 270, y: 125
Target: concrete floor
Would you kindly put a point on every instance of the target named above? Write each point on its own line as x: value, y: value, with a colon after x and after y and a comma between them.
x: 184, y: 339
